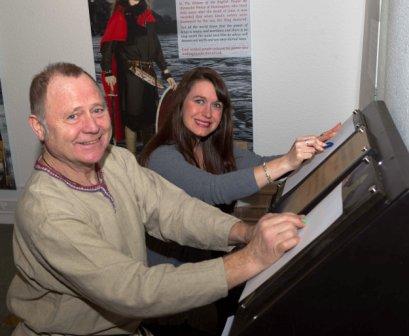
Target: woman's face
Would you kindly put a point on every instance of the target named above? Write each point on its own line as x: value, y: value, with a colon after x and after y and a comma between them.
x: 202, y: 110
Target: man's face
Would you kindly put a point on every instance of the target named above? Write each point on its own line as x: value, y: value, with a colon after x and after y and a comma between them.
x: 77, y: 120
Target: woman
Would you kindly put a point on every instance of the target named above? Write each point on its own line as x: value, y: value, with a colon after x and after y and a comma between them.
x: 129, y: 48
x: 194, y: 148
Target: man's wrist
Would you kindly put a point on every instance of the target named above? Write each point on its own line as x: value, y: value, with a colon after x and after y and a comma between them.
x: 240, y: 232
x: 240, y: 266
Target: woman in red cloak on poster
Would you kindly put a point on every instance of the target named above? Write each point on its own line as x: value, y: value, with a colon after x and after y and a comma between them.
x: 129, y: 49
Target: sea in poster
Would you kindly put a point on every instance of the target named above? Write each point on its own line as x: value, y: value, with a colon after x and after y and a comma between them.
x: 236, y: 71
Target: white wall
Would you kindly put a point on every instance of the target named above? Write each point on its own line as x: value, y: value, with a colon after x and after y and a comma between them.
x: 369, y: 79
x: 394, y: 72
x: 306, y: 67
x: 33, y: 34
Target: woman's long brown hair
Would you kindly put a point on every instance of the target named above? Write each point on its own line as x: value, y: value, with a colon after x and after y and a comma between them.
x: 217, y: 147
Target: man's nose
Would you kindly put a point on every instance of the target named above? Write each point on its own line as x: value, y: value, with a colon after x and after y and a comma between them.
x: 90, y: 124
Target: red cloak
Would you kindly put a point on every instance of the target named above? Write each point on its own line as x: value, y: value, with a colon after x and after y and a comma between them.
x: 116, y: 30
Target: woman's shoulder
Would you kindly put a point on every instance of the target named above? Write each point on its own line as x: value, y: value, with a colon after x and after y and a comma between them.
x: 164, y: 150
x: 164, y: 153
x: 246, y: 158
x: 239, y: 151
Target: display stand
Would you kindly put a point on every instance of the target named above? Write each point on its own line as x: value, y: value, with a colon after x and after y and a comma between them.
x: 352, y: 279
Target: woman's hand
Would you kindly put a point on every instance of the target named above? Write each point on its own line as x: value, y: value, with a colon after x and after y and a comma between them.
x: 330, y: 133
x: 304, y: 148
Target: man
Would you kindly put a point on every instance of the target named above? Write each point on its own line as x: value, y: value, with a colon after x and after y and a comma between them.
x: 80, y: 225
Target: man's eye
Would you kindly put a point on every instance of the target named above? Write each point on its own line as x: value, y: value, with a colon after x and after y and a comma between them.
x: 99, y: 110
x: 72, y: 117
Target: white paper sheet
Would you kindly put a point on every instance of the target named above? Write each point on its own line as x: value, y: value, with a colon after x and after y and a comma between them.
x: 317, y: 221
x: 227, y: 326
x: 297, y: 176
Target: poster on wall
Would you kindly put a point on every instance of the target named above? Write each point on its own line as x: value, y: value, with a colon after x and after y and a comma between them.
x: 6, y: 166
x: 213, y: 28
x: 196, y: 33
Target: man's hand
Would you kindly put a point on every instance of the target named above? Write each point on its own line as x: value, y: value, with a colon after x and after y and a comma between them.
x: 273, y: 235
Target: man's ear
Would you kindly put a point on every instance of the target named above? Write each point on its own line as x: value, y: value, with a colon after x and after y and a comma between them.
x: 37, y: 127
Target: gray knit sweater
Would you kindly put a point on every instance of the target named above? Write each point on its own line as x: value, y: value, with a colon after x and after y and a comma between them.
x: 213, y: 189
